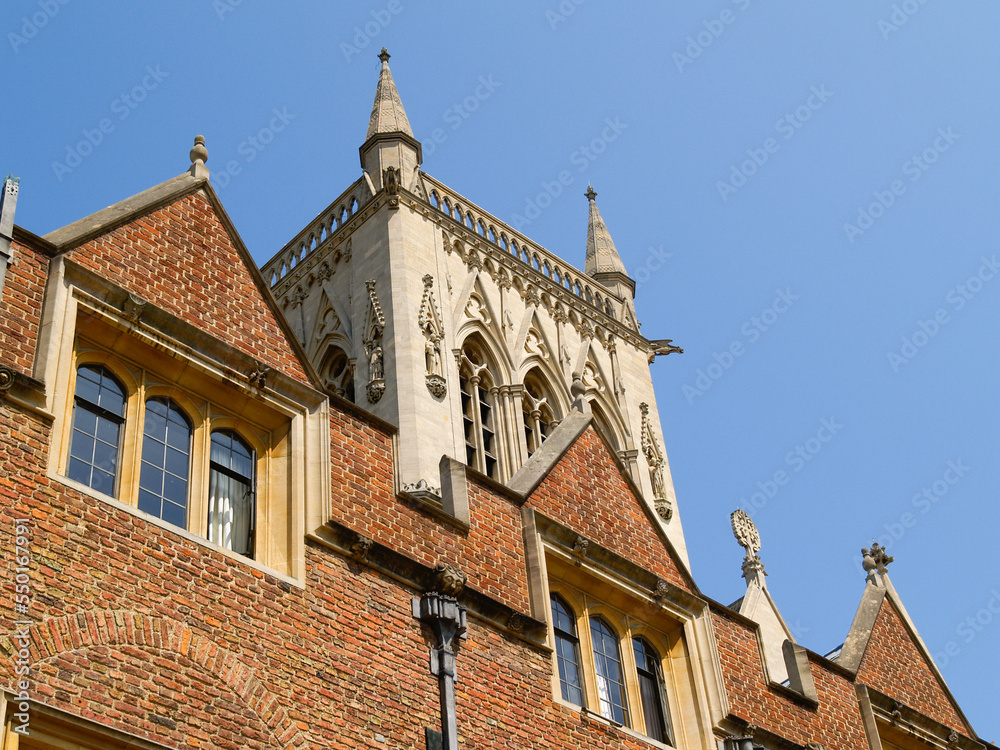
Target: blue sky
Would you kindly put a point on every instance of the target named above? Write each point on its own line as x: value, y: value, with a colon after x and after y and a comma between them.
x: 810, y: 185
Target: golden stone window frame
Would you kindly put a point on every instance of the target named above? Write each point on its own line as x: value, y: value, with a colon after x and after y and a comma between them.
x: 88, y: 320
x: 665, y: 636
x: 51, y: 729
x: 675, y: 622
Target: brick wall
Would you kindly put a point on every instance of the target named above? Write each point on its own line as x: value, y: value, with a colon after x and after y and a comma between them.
x: 21, y: 307
x: 837, y: 721
x: 587, y: 493
x: 181, y: 259
x: 893, y: 666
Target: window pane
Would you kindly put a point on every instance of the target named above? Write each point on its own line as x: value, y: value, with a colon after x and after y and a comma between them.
x: 177, y: 463
x: 650, y: 689
x: 175, y: 514
x: 83, y: 445
x: 163, y: 480
x: 608, y: 664
x: 567, y: 651
x: 79, y: 471
x: 231, y: 500
x: 96, y: 436
x: 102, y: 481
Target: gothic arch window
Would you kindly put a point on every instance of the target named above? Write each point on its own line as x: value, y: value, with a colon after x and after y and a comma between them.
x: 567, y: 650
x: 652, y: 691
x: 602, y: 421
x: 98, y: 419
x: 477, y: 383
x: 337, y: 372
x: 537, y: 410
x: 608, y: 666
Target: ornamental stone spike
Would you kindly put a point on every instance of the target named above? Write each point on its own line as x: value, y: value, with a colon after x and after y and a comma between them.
x: 745, y: 531
x: 198, y: 155
x: 875, y: 560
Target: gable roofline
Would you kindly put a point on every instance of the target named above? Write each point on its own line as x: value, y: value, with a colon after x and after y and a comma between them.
x: 119, y: 214
x: 563, y: 437
x: 874, y: 598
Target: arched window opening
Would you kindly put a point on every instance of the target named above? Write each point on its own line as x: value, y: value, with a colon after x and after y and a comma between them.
x: 602, y: 421
x: 537, y: 411
x: 98, y: 419
x: 608, y: 667
x: 478, y: 418
x: 567, y: 651
x: 652, y: 691
x: 231, y: 493
x: 337, y: 373
x: 166, y: 462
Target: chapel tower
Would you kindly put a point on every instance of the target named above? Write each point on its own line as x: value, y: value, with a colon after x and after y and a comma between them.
x: 432, y: 314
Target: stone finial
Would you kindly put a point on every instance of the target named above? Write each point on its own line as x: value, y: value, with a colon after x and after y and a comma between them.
x: 384, y: 55
x: 745, y: 531
x: 875, y: 560
x: 591, y: 193
x: 198, y: 156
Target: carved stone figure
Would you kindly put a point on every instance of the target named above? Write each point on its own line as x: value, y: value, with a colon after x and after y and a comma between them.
x: 375, y: 363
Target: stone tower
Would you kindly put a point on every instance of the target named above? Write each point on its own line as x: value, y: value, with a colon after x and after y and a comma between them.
x: 432, y: 314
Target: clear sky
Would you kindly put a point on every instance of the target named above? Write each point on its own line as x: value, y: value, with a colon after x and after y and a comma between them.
x: 806, y: 192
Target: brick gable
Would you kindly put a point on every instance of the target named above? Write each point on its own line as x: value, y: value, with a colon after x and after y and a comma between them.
x: 836, y: 722
x: 182, y: 259
x: 893, y: 664
x: 586, y: 491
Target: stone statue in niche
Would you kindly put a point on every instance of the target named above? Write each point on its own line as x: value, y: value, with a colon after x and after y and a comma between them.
x: 429, y: 320
x: 391, y: 179
x: 375, y: 363
x: 374, y: 326
x: 657, y: 466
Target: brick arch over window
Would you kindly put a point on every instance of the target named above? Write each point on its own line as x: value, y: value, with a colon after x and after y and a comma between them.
x: 61, y: 636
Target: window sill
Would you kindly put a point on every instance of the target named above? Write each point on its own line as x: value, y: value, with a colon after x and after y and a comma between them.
x: 596, y: 718
x: 183, y: 533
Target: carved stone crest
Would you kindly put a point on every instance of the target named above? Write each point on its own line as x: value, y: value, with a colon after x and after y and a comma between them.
x: 258, y: 376
x: 449, y: 580
x: 580, y: 549
x: 6, y: 378
x: 133, y: 308
x: 745, y: 531
x: 361, y: 546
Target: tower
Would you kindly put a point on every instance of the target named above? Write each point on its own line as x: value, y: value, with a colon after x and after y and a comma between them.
x: 475, y: 342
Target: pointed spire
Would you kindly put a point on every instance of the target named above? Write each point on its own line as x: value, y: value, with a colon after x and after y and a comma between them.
x: 602, y: 256
x: 388, y: 115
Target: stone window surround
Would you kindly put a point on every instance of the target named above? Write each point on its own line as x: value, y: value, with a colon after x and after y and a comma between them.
x: 289, y: 427
x: 557, y: 554
x: 669, y: 646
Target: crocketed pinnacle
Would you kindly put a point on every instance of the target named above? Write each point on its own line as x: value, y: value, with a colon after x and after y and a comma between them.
x: 602, y: 256
x: 388, y: 115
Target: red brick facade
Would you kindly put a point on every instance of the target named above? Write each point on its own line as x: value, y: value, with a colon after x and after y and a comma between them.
x: 139, y: 628
x: 894, y: 666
